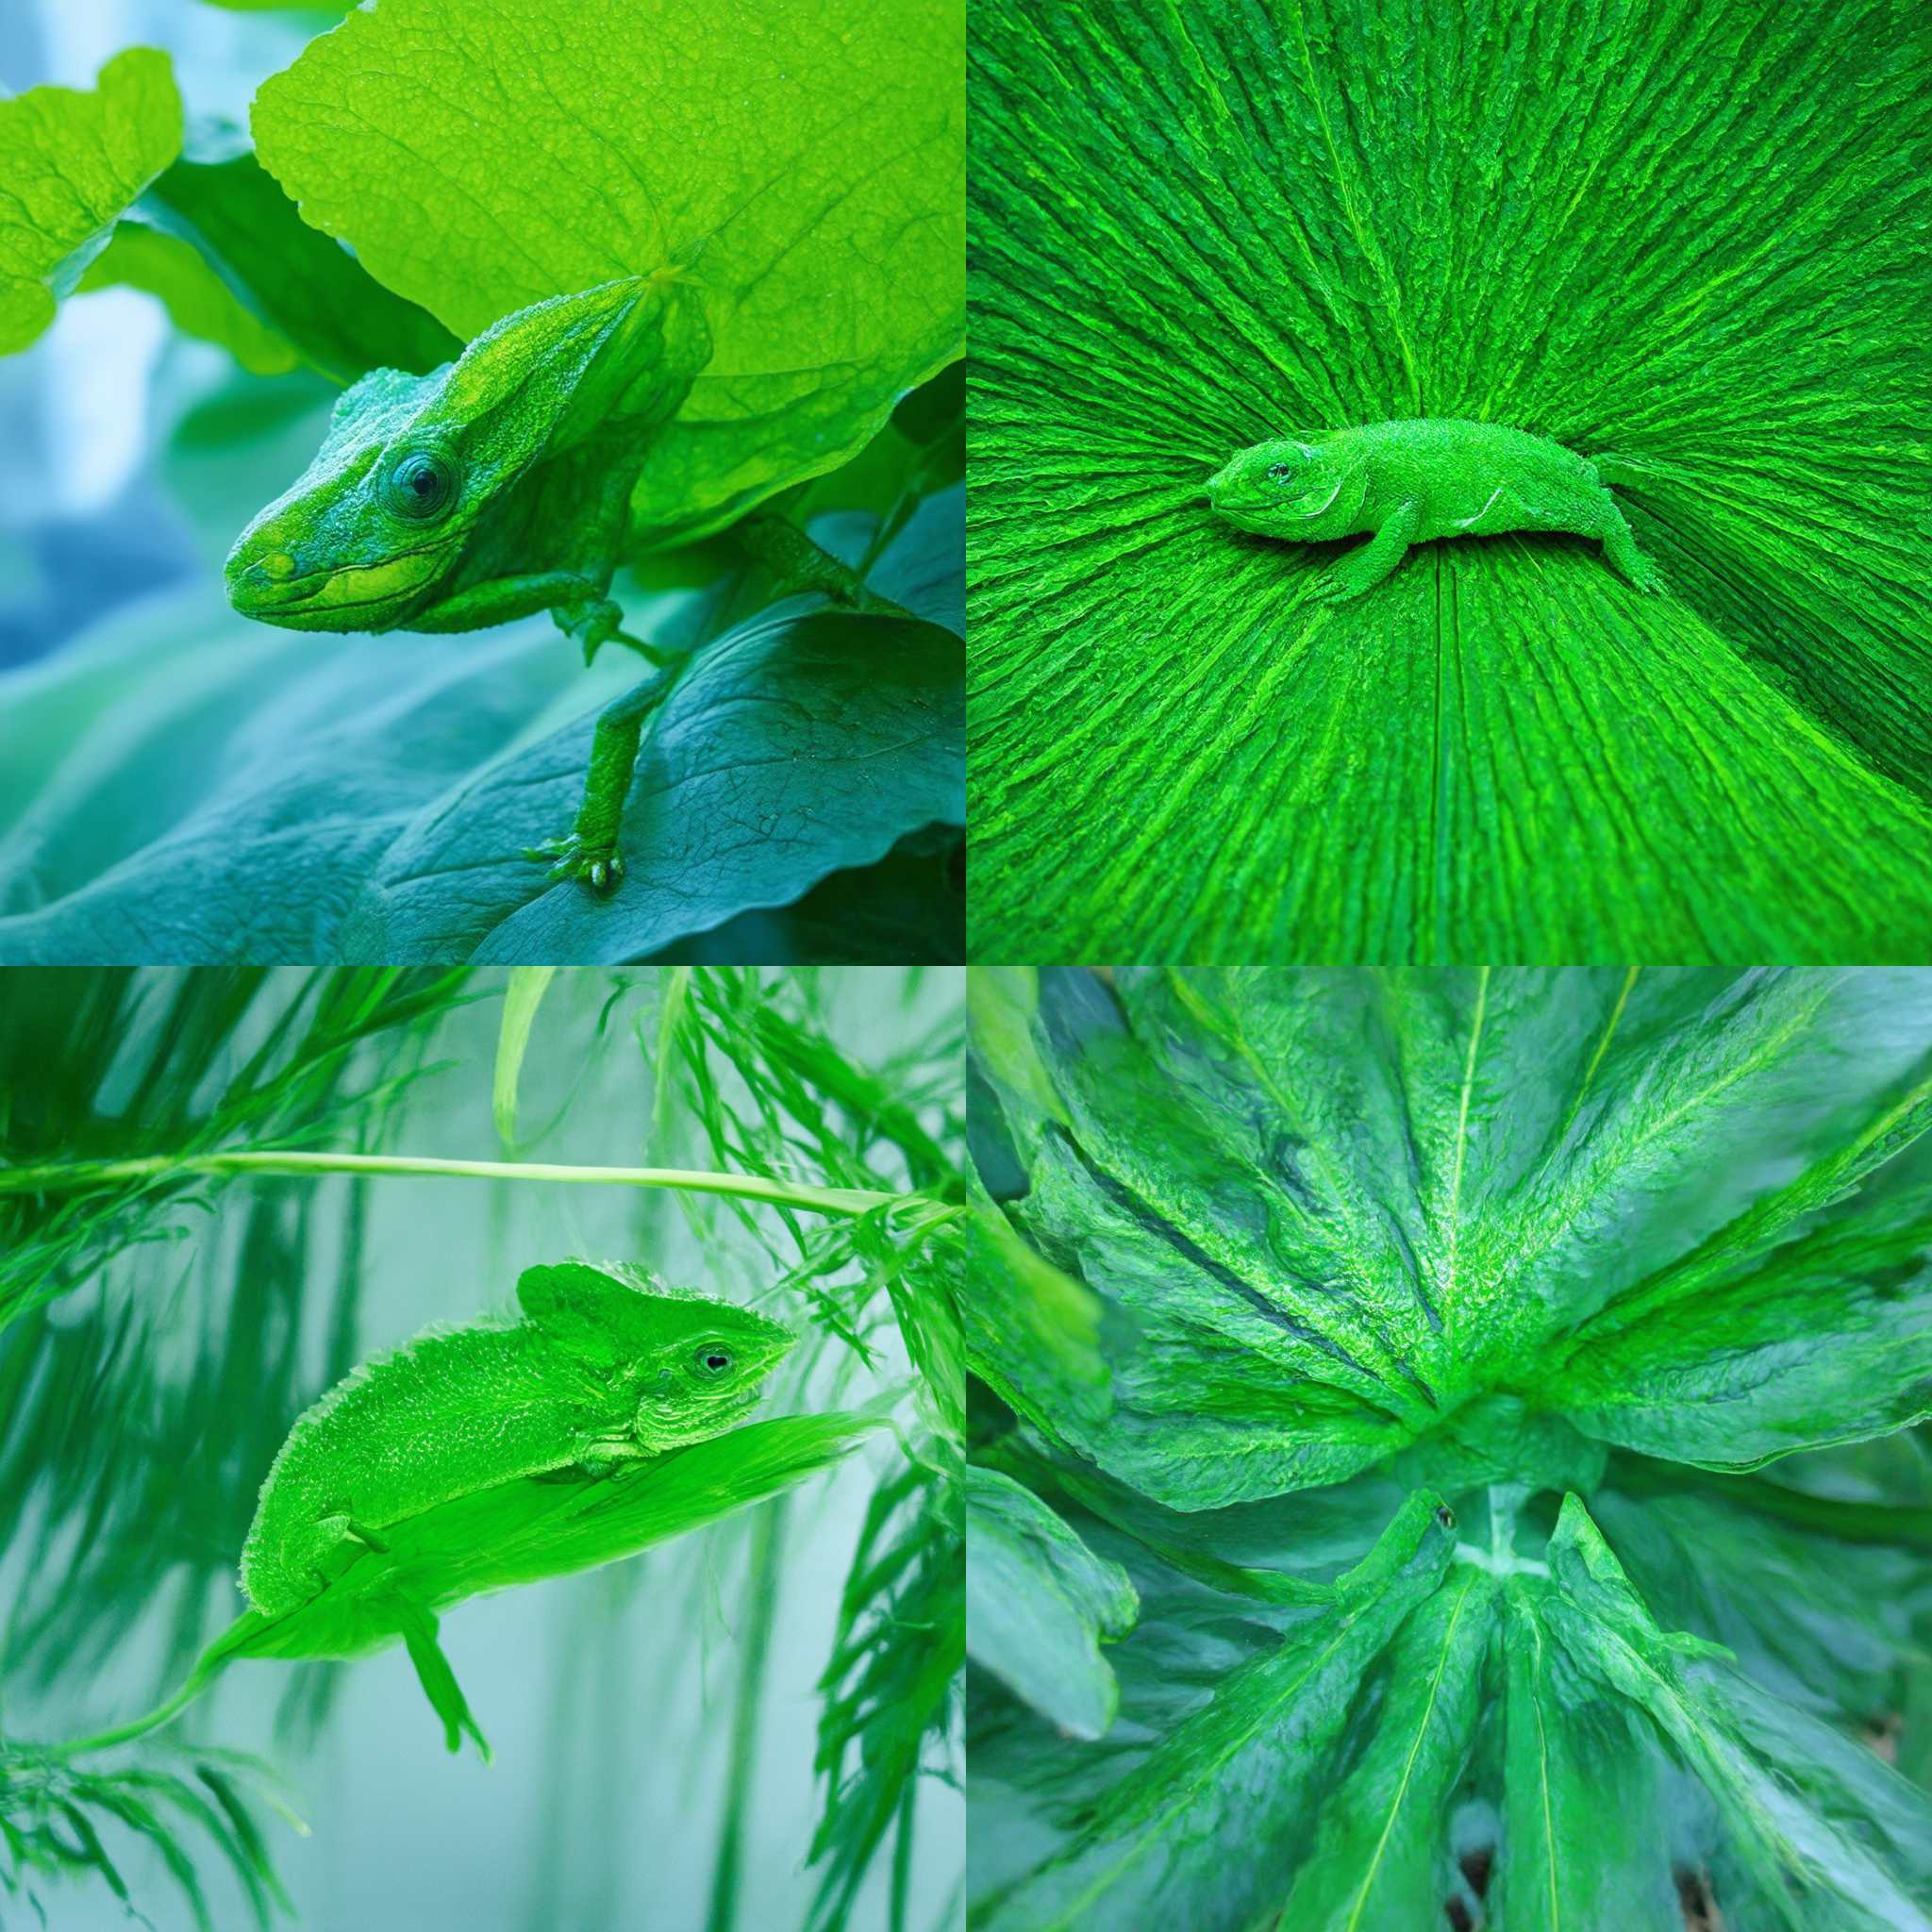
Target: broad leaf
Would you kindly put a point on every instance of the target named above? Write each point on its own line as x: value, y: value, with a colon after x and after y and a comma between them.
x: 1584, y: 1834
x: 1694, y: 240
x: 69, y: 164
x: 802, y: 163
x: 1040, y: 1604
x: 200, y: 788
x: 1381, y: 1857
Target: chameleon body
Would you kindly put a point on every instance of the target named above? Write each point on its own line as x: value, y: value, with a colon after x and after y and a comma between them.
x: 606, y: 1365
x: 495, y: 486
x: 1403, y: 483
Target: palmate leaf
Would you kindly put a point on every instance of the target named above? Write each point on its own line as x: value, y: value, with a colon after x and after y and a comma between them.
x: 1265, y: 1248
x: 1689, y: 235
x: 1328, y: 1216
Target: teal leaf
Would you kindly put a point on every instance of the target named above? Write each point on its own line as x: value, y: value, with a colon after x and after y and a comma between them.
x: 191, y: 788
x: 1694, y: 240
x: 1040, y: 1604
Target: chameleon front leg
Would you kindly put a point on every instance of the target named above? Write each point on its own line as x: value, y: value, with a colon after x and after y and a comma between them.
x: 576, y: 601
x: 1361, y: 569
x: 588, y: 851
x: 445, y: 1695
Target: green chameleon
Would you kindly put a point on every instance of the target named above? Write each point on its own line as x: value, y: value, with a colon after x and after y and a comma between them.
x: 498, y: 486
x: 1406, y: 482
x: 606, y: 1365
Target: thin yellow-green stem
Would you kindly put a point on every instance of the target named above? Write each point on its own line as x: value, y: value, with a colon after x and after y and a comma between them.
x: 56, y: 1177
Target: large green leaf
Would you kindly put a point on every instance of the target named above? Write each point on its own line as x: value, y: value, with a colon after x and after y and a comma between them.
x: 1811, y: 1831
x: 804, y: 161
x: 1690, y: 234
x: 69, y: 164
x: 1583, y: 1826
x: 1484, y: 1216
x: 190, y: 788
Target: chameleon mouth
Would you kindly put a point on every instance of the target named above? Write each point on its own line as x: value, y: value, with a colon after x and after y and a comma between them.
x: 273, y: 589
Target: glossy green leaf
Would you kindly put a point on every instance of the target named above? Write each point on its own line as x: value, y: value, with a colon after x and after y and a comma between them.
x: 802, y: 163
x: 1040, y: 1604
x: 1330, y: 1217
x: 69, y: 164
x: 1688, y: 234
x: 1239, y: 1772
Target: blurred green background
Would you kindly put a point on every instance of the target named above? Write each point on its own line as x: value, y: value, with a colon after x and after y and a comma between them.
x: 141, y: 1406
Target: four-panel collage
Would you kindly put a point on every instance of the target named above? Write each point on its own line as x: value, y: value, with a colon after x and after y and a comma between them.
x: 965, y: 968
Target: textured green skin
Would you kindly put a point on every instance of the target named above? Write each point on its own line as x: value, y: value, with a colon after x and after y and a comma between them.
x: 547, y: 419
x: 457, y: 1410
x: 1406, y: 482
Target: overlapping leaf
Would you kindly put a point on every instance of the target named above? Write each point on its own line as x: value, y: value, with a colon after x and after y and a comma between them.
x: 1685, y: 233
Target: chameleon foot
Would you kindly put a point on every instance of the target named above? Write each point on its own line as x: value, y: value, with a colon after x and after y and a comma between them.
x: 570, y: 858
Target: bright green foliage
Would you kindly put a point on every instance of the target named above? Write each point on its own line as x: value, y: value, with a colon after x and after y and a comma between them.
x: 69, y: 164
x: 1688, y: 234
x: 1574, y: 1250
x: 604, y: 1366
x: 805, y: 162
x: 1040, y: 1604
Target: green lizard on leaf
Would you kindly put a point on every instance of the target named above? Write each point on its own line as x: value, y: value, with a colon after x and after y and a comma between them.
x: 1406, y: 482
x: 500, y: 485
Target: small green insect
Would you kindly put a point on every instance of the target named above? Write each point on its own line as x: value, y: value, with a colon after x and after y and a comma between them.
x: 1406, y: 482
x: 608, y: 1365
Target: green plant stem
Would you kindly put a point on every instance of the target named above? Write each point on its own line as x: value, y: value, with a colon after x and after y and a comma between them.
x: 64, y: 1175
x: 192, y: 1686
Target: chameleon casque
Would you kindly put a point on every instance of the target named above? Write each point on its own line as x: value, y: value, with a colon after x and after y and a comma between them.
x: 606, y: 1365
x: 1406, y: 482
x: 498, y: 486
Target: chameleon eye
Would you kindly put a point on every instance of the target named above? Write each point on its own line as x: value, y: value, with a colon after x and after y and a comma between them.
x: 712, y: 1362
x: 419, y: 485
x: 1281, y: 471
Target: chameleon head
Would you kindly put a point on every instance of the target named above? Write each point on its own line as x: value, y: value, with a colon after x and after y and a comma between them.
x: 416, y: 470
x: 711, y: 1379
x: 1286, y: 488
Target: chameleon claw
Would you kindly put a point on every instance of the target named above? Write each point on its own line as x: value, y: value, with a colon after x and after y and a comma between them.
x: 568, y: 857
